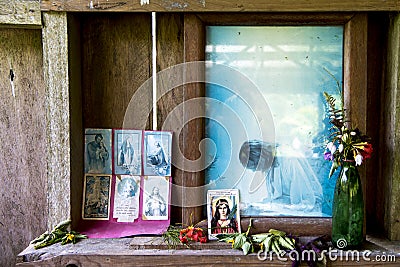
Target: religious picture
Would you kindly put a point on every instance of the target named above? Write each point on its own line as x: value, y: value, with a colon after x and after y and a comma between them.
x: 266, y: 126
x: 128, y: 152
x: 126, y: 198
x: 157, y: 153
x: 98, y: 151
x: 223, y: 212
x: 96, y: 197
x: 155, y: 198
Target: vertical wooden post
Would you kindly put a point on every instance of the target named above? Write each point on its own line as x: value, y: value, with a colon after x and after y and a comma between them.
x: 391, y: 113
x: 169, y: 54
x: 55, y: 67
x: 356, y: 80
x: 194, y: 50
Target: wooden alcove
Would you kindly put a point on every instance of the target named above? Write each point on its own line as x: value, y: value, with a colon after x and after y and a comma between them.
x: 104, y: 55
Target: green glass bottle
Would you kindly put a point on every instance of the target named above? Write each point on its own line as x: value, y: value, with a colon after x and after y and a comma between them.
x: 348, y: 208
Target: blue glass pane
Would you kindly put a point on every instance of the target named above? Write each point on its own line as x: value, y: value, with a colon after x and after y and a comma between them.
x: 266, y: 115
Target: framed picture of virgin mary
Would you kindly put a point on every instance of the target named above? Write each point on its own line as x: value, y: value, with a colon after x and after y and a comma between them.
x: 128, y: 152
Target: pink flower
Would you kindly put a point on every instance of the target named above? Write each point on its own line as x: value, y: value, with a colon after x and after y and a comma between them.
x: 328, y: 156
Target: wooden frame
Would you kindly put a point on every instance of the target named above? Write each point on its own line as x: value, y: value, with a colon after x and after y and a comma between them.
x: 355, y: 88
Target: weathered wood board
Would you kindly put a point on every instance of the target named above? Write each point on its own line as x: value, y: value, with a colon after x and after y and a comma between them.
x: 23, y: 165
x: 391, y: 140
x: 220, y: 5
x: 20, y: 13
x: 151, y: 251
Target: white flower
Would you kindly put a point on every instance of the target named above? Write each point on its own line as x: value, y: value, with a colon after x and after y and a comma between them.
x: 329, y: 146
x: 341, y: 147
x: 353, y: 133
x: 333, y: 149
x: 358, y: 159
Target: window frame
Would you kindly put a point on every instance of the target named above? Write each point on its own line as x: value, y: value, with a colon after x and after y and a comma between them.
x: 354, y: 87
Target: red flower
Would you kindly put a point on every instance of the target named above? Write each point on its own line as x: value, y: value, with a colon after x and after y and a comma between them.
x: 183, y: 231
x: 183, y: 239
x: 190, y: 233
x: 195, y: 237
x: 367, y: 151
x: 203, y: 239
x: 200, y: 232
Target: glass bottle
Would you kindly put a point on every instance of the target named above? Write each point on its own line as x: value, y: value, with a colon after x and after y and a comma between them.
x: 348, y: 208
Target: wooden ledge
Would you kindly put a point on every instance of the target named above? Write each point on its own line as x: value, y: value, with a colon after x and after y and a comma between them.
x: 150, y: 251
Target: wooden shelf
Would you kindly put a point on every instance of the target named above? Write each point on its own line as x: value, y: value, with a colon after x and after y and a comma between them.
x: 150, y: 251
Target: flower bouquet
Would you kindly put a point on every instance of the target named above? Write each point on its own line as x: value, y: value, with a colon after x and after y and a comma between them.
x: 346, y: 144
x: 348, y: 148
x: 176, y: 235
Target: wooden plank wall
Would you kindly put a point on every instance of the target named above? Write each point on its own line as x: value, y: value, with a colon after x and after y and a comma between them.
x: 23, y: 163
x: 115, y: 60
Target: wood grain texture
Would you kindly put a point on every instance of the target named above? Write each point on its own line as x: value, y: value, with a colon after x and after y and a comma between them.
x: 394, y: 193
x: 169, y: 98
x: 221, y: 5
x: 355, y: 81
x: 294, y: 18
x: 116, y: 56
x: 355, y: 71
x: 21, y: 13
x: 391, y: 141
x: 193, y: 131
x: 23, y: 182
x: 55, y: 69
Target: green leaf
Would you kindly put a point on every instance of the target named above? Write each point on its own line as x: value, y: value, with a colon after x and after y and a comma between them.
x: 239, y: 241
x: 334, y: 167
x: 246, y: 247
x: 226, y: 237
